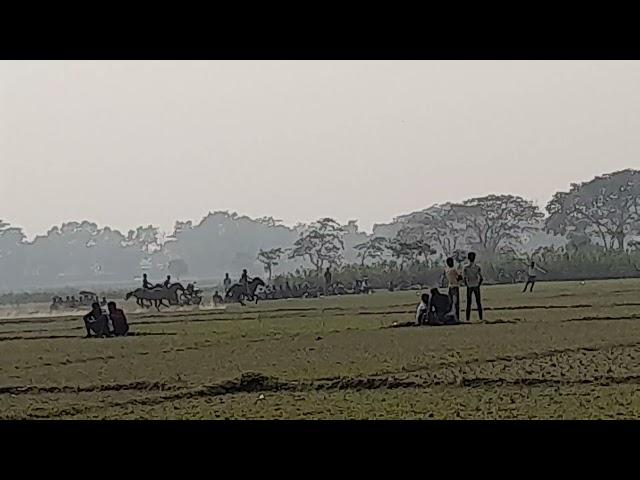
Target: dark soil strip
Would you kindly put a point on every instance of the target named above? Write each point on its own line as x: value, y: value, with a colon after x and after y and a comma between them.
x: 57, y: 337
x: 593, y: 319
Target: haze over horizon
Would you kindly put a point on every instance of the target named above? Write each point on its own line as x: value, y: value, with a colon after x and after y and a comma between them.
x: 134, y: 143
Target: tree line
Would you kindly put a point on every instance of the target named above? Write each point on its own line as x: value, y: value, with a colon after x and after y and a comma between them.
x: 592, y: 230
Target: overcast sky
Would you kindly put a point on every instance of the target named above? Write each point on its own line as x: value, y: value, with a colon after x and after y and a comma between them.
x: 130, y: 143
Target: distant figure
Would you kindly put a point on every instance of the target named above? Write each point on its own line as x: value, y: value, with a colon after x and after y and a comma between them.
x: 531, y: 276
x: 327, y: 279
x: 104, y: 301
x: 167, y: 282
x: 217, y: 298
x: 118, y: 320
x: 96, y: 321
x: 145, y: 282
x: 288, y: 290
x: 453, y: 280
x: 422, y: 311
x: 226, y: 282
x: 244, y: 281
x: 473, y: 280
x: 391, y: 286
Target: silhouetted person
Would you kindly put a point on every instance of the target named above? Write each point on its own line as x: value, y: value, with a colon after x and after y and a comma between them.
x: 217, y: 298
x: 104, y: 301
x: 453, y: 282
x: 226, y: 282
x: 145, y: 282
x: 118, y: 320
x: 473, y: 280
x: 531, y: 276
x: 96, y: 321
x: 422, y: 310
x: 167, y: 282
x: 327, y: 279
x: 439, y: 308
x: 244, y: 281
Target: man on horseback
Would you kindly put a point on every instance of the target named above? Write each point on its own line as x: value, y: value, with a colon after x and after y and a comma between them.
x: 145, y: 282
x: 167, y: 282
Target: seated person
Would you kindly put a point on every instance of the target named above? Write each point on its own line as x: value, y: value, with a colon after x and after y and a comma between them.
x: 421, y: 312
x: 96, y: 321
x: 440, y: 309
x: 217, y: 298
x: 118, y: 320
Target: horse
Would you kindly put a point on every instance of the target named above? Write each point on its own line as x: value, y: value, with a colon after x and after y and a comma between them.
x: 236, y: 291
x: 157, y: 295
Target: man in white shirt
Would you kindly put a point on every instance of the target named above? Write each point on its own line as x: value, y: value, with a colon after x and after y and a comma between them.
x: 422, y: 310
x: 531, y: 276
x: 453, y: 280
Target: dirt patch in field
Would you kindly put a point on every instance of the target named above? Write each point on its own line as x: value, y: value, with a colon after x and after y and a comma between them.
x: 60, y: 337
x: 603, y: 317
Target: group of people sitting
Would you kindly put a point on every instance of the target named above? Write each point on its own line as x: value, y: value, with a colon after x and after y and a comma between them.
x: 100, y: 324
x: 72, y: 301
x: 440, y: 309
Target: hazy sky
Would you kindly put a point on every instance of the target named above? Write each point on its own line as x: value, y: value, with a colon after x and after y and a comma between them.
x: 129, y: 143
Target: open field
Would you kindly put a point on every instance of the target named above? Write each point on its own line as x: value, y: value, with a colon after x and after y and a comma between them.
x: 565, y: 351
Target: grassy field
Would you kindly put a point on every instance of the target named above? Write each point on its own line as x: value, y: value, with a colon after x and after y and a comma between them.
x: 565, y: 351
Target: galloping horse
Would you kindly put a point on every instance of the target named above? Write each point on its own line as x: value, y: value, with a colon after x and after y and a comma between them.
x: 157, y: 295
x: 236, y: 291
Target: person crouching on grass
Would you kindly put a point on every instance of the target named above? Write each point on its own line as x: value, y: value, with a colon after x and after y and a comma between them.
x: 118, y: 320
x: 96, y: 321
x: 423, y: 309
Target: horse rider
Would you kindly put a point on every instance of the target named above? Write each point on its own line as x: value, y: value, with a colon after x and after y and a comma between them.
x: 145, y: 282
x: 167, y: 282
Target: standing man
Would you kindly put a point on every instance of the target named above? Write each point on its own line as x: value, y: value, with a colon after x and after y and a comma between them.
x: 473, y: 280
x: 531, y: 277
x: 244, y: 281
x: 226, y: 283
x: 327, y: 280
x: 453, y: 279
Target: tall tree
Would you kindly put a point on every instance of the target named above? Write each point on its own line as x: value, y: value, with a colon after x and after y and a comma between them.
x: 146, y: 238
x: 497, y: 222
x: 321, y: 243
x: 440, y: 225
x: 269, y: 258
x: 373, y: 249
x: 605, y: 209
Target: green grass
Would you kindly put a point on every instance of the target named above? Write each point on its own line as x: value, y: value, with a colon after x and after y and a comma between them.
x: 565, y: 351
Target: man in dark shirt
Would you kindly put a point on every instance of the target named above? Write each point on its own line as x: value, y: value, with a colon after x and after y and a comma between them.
x: 440, y: 308
x: 118, y: 320
x: 96, y: 321
x: 244, y: 281
x: 327, y: 279
x: 167, y: 282
x: 145, y: 282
